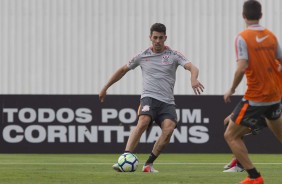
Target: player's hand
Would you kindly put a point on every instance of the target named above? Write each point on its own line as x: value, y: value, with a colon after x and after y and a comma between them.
x: 226, y: 120
x: 102, y: 95
x: 197, y: 87
x: 227, y: 95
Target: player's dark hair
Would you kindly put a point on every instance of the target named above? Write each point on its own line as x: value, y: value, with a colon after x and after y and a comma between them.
x: 158, y: 27
x: 252, y: 10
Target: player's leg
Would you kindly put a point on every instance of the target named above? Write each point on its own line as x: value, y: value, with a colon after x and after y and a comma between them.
x: 276, y: 127
x: 246, y: 118
x: 167, y: 127
x: 233, y: 161
x: 135, y: 135
x: 274, y: 121
x: 233, y: 136
x: 234, y: 165
x: 166, y: 118
x: 145, y: 113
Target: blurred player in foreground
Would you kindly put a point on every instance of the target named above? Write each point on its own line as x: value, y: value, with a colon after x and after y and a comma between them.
x: 257, y: 51
x: 234, y: 165
x: 158, y: 64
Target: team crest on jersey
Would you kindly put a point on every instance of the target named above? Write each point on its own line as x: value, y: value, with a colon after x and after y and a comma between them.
x: 146, y: 108
x: 166, y: 60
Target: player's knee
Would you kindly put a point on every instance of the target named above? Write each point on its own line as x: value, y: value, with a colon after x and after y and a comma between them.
x: 167, y: 132
x: 142, y: 127
x: 143, y: 122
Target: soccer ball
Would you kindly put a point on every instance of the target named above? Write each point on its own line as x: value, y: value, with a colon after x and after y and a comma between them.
x: 128, y: 162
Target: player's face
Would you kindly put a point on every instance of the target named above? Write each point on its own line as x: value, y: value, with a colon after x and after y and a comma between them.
x: 158, y: 39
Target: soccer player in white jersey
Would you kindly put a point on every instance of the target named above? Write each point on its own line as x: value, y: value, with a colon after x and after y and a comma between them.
x: 158, y: 64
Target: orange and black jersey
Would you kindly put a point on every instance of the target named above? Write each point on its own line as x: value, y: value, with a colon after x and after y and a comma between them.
x: 260, y: 48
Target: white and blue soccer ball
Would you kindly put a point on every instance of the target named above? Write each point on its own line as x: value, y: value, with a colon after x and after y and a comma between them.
x: 128, y: 162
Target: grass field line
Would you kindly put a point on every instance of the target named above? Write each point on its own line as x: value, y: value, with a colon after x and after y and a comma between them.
x: 93, y: 163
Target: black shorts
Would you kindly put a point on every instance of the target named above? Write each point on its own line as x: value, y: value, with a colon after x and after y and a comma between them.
x: 253, y: 116
x: 258, y: 127
x: 157, y: 110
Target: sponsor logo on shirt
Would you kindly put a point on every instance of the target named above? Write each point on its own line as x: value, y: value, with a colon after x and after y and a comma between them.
x: 261, y: 39
x: 271, y: 47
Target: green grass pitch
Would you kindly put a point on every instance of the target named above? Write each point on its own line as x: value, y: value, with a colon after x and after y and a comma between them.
x: 96, y: 169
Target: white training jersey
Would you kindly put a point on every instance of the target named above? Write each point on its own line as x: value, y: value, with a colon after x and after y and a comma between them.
x: 158, y: 71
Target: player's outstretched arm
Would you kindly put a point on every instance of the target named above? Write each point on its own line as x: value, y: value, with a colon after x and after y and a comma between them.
x: 242, y: 65
x: 114, y: 78
x: 196, y: 85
